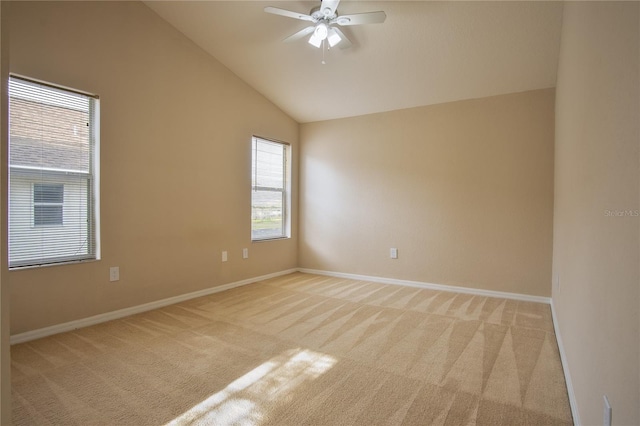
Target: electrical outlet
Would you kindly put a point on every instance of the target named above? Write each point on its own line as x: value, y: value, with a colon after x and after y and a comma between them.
x: 114, y: 273
x: 393, y: 253
x: 606, y: 415
x: 224, y: 256
x: 245, y: 253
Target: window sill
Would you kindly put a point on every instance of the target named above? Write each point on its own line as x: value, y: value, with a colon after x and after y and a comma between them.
x: 262, y: 240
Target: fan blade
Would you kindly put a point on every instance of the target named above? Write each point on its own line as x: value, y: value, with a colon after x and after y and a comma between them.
x: 329, y: 7
x: 360, y: 18
x: 297, y: 36
x: 344, y: 43
x: 288, y: 13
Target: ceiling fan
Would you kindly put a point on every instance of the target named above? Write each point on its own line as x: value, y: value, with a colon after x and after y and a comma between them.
x: 324, y: 19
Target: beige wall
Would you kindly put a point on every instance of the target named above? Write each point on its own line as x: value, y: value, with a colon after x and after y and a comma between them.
x: 5, y: 330
x: 464, y: 190
x: 595, y: 255
x: 176, y: 131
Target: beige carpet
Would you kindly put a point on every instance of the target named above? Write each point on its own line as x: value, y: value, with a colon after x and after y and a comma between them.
x: 302, y: 350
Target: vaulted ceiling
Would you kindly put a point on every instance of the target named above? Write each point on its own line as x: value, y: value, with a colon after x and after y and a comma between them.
x: 424, y: 53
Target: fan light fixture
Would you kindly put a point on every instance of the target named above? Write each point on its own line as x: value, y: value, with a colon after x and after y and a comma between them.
x: 333, y: 38
x: 321, y: 31
x: 320, y: 34
x: 324, y: 32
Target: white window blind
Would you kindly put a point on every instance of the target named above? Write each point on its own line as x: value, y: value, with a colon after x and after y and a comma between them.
x: 269, y: 194
x: 53, y: 190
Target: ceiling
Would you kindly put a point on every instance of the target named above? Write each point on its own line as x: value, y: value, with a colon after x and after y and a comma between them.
x: 424, y: 53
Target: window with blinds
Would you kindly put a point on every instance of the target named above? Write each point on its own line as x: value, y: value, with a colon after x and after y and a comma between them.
x: 53, y: 179
x: 269, y: 190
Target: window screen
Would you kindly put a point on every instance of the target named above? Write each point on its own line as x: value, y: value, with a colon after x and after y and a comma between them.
x: 269, y: 194
x: 53, y: 189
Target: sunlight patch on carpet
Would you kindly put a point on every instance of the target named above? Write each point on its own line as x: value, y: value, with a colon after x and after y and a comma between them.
x: 243, y: 400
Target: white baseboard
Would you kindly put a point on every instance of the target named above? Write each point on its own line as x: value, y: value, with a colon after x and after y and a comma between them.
x: 565, y: 368
x: 441, y: 287
x: 121, y: 313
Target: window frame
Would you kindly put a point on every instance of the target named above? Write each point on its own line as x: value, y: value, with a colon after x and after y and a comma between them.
x: 285, y: 191
x: 90, y: 179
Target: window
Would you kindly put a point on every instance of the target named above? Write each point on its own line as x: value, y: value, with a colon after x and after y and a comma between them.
x: 269, y: 190
x: 48, y: 200
x: 53, y: 174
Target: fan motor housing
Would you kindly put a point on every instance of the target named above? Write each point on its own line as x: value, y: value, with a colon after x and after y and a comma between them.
x: 318, y: 15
